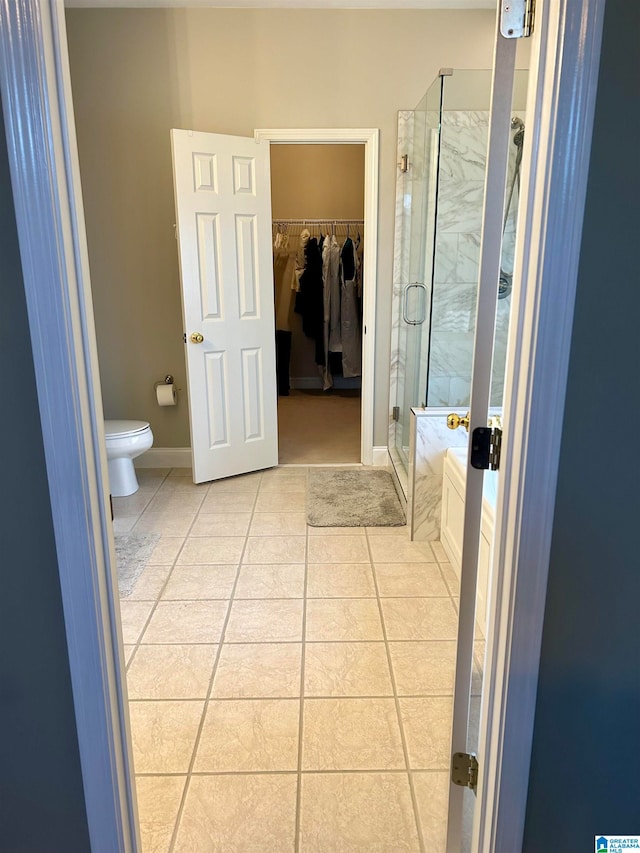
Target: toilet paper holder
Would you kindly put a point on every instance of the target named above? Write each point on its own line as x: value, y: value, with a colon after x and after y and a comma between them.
x: 168, y: 380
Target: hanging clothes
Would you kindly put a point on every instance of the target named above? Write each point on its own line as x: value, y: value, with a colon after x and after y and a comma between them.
x: 310, y: 299
x: 331, y: 304
x: 350, y: 312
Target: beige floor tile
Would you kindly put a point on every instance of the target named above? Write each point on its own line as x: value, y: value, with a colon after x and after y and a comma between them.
x: 439, y: 552
x: 171, y: 672
x: 216, y: 502
x: 132, y: 505
x: 432, y: 797
x: 269, y: 580
x: 275, y: 549
x: 409, y: 579
x: 158, y: 803
x: 258, y: 670
x: 166, y: 514
x: 212, y: 549
x: 419, y: 618
x: 124, y: 524
x: 427, y: 728
x: 165, y: 551
x: 351, y: 734
x: 279, y: 524
x: 221, y: 524
x: 335, y: 531
x: 174, y: 525
x: 150, y: 583
x: 343, y: 619
x: 239, y: 814
x: 194, y: 582
x: 241, y: 483
x: 338, y: 549
x: 424, y: 668
x: 346, y: 669
x: 402, y: 530
x: 163, y: 735
x: 186, y: 622
x: 340, y: 580
x: 271, y: 621
x: 128, y: 652
x: 249, y: 735
x: 133, y: 615
x: 285, y: 475
x: 399, y: 549
x: 180, y: 472
x: 357, y: 813
x: 281, y: 501
x: 451, y: 578
x: 181, y: 503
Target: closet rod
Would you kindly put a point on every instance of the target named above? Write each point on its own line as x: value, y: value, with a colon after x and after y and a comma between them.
x: 318, y: 221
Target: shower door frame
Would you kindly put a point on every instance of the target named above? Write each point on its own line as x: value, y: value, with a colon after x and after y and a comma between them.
x: 45, y: 176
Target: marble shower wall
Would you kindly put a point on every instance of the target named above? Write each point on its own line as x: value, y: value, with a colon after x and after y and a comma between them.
x: 463, y: 155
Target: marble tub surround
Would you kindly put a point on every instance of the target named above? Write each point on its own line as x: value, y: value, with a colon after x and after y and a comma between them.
x: 430, y: 438
x: 286, y: 710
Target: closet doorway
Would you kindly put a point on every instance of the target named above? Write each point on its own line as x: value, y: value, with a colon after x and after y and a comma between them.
x: 317, y: 200
x: 323, y: 191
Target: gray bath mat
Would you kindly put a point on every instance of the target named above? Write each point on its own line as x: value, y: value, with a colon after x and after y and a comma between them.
x: 132, y: 552
x: 352, y: 497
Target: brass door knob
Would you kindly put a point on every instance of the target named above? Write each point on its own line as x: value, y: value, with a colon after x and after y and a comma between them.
x: 196, y: 338
x: 454, y: 421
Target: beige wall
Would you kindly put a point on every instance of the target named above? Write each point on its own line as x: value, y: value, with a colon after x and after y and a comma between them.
x: 138, y: 72
x: 310, y: 182
x: 316, y: 181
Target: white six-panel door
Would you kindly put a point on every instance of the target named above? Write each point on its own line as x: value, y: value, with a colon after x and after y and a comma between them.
x: 223, y: 208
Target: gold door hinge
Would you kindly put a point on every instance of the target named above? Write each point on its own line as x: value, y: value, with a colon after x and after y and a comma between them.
x: 464, y: 770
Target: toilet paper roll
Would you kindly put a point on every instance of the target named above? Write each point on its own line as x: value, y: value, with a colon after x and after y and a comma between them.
x: 166, y: 395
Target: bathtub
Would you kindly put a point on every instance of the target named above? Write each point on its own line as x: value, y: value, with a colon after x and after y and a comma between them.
x: 453, y: 488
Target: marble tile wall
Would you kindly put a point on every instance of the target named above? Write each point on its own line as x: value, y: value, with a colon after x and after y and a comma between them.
x: 430, y: 439
x: 462, y: 170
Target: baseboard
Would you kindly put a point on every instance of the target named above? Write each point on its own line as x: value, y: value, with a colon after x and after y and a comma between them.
x: 165, y: 457
x: 381, y: 458
x: 307, y: 383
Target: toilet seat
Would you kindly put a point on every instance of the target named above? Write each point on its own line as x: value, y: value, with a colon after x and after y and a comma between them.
x: 123, y: 428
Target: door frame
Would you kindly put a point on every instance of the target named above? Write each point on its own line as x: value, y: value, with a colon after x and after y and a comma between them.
x: 45, y: 177
x: 370, y: 138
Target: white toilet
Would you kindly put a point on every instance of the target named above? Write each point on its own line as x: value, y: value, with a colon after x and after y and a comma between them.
x: 125, y: 440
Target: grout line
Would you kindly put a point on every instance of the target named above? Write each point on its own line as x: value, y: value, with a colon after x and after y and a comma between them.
x: 294, y: 698
x: 396, y: 700
x: 325, y: 772
x: 196, y: 744
x: 297, y: 836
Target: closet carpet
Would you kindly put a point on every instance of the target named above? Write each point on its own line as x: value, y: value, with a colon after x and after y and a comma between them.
x: 319, y: 427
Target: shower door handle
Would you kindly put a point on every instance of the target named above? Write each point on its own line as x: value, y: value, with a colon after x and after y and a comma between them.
x: 405, y: 305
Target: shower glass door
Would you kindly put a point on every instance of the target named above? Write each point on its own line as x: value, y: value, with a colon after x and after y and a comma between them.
x: 418, y: 238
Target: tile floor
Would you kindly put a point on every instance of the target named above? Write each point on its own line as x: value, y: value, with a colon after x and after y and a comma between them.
x: 290, y: 687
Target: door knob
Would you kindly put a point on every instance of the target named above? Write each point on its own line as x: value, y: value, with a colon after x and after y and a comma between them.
x: 196, y: 338
x: 454, y: 421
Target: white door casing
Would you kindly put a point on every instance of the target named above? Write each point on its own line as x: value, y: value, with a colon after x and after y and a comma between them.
x: 487, y: 297
x: 223, y: 209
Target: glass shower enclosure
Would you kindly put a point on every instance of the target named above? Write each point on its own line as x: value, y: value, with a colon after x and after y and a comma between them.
x: 438, y: 230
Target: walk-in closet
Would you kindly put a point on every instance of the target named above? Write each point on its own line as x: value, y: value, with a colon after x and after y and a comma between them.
x: 318, y: 236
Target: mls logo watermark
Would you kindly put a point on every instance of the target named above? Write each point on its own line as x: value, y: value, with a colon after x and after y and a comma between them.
x: 616, y: 843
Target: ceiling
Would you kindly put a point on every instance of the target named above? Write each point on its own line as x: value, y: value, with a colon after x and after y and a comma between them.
x: 288, y: 4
